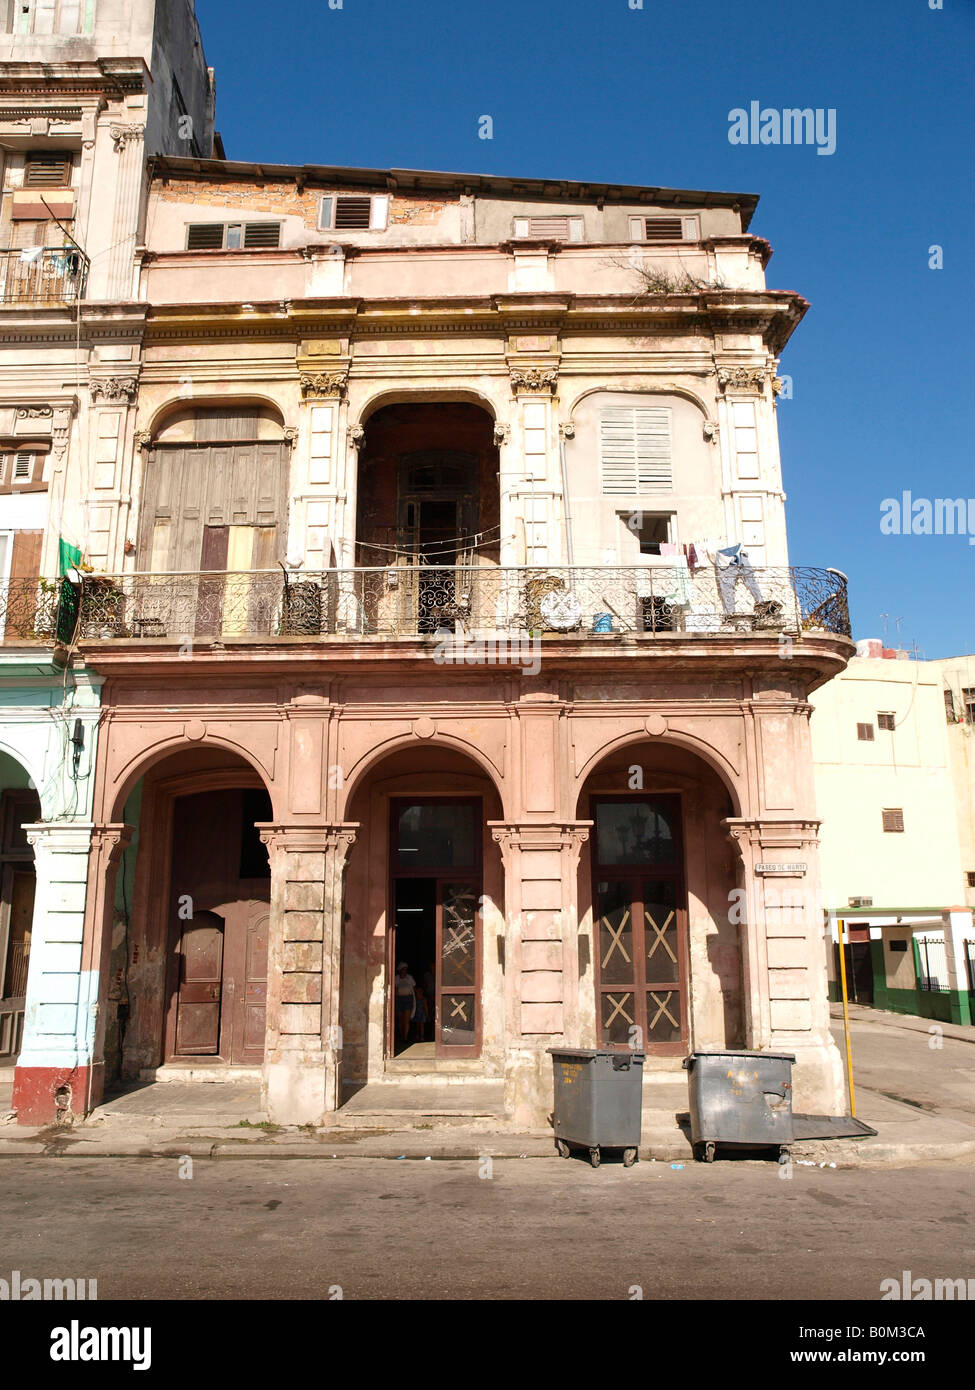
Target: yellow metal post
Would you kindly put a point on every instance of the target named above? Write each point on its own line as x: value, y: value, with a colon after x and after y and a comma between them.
x: 846, y: 1016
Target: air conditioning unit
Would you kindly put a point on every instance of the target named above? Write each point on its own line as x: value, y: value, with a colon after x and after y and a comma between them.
x: 859, y: 902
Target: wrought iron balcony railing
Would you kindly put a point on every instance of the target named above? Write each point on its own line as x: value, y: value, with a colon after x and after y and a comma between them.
x: 413, y: 601
x: 43, y: 275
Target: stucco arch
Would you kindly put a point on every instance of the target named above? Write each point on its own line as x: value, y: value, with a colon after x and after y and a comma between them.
x: 16, y: 756
x: 165, y: 413
x: 708, y: 754
x: 421, y: 395
x: 370, y: 760
x: 647, y: 389
x: 146, y: 759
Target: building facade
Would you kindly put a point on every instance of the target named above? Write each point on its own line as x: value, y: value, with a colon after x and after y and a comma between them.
x: 890, y: 753
x: 399, y: 501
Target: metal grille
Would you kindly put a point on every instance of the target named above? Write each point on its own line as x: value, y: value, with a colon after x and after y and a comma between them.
x: 933, y: 964
x: 55, y: 275
x: 353, y: 214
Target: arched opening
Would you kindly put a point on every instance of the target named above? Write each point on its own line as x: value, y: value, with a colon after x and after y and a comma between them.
x: 19, y: 806
x: 215, y: 491
x: 428, y: 499
x: 188, y: 974
x: 659, y: 882
x: 424, y: 889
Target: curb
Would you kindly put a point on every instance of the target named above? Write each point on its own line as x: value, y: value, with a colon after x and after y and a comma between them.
x: 856, y: 1156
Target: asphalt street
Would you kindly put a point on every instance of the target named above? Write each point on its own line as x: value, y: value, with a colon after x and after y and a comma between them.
x: 459, y: 1230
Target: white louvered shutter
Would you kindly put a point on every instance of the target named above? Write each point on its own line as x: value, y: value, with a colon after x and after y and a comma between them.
x: 635, y: 450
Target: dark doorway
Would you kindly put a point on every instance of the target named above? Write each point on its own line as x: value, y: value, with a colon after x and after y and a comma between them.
x: 17, y: 884
x: 219, y: 914
x: 435, y: 894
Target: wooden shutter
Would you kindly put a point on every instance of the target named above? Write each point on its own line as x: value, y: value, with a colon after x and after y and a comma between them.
x: 25, y: 560
x: 865, y: 733
x: 635, y: 450
x: 662, y: 229
x: 47, y: 169
x: 893, y: 818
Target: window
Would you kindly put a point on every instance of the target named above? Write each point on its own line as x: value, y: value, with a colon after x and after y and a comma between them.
x: 893, y: 819
x: 949, y: 707
x: 971, y: 878
x: 635, y: 450
x: 558, y: 228
x: 47, y: 169
x: 17, y: 468
x: 48, y: 16
x: 968, y: 695
x: 885, y: 720
x: 232, y: 236
x: 353, y: 212
x: 897, y: 945
x: 651, y: 530
x: 661, y: 229
x: 865, y: 733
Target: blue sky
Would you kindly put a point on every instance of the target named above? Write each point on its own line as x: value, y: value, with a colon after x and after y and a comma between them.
x: 594, y: 89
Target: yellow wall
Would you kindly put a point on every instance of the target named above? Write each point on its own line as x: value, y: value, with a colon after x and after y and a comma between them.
x: 907, y: 768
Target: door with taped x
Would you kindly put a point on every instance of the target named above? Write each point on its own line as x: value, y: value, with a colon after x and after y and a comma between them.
x: 640, y: 923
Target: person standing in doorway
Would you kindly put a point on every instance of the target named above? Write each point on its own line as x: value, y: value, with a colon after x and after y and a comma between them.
x: 405, y: 1001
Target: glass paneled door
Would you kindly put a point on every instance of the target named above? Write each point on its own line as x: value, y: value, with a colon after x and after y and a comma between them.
x: 435, y: 852
x: 640, y: 924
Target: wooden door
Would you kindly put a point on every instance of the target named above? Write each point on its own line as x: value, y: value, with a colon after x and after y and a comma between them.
x: 458, y: 995
x: 200, y: 1002
x: 435, y: 846
x: 245, y: 983
x: 219, y: 981
x: 640, y: 924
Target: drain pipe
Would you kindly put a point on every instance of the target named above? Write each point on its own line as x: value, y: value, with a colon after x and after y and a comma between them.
x: 566, y: 432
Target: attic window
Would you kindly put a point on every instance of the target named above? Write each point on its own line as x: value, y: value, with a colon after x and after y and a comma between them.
x: 893, y: 818
x: 353, y: 213
x: 556, y: 228
x: 885, y: 720
x: 865, y: 733
x: 663, y: 229
x: 47, y: 169
x: 232, y: 236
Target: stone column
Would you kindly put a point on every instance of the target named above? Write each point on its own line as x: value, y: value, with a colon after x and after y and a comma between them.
x: 304, y: 1038
x: 57, y: 1044
x: 957, y: 926
x: 783, y: 960
x: 541, y: 957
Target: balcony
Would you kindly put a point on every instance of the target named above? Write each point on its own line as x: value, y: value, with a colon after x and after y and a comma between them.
x: 39, y: 276
x: 430, y: 601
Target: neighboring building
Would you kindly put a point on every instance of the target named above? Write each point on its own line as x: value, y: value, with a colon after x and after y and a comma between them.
x: 958, y: 677
x: 402, y: 493
x: 86, y: 92
x: 890, y: 791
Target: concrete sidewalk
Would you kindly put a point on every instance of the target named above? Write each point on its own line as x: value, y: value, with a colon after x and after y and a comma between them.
x: 921, y: 1102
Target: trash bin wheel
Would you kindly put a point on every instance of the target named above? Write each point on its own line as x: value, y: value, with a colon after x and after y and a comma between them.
x: 594, y: 1157
x: 629, y: 1158
x: 704, y: 1153
x: 563, y: 1148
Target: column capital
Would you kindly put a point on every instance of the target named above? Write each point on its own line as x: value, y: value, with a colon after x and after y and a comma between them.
x: 111, y: 840
x: 540, y: 835
x: 335, y: 837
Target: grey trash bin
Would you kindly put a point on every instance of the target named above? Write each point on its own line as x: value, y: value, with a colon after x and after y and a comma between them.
x: 598, y: 1101
x: 740, y: 1100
